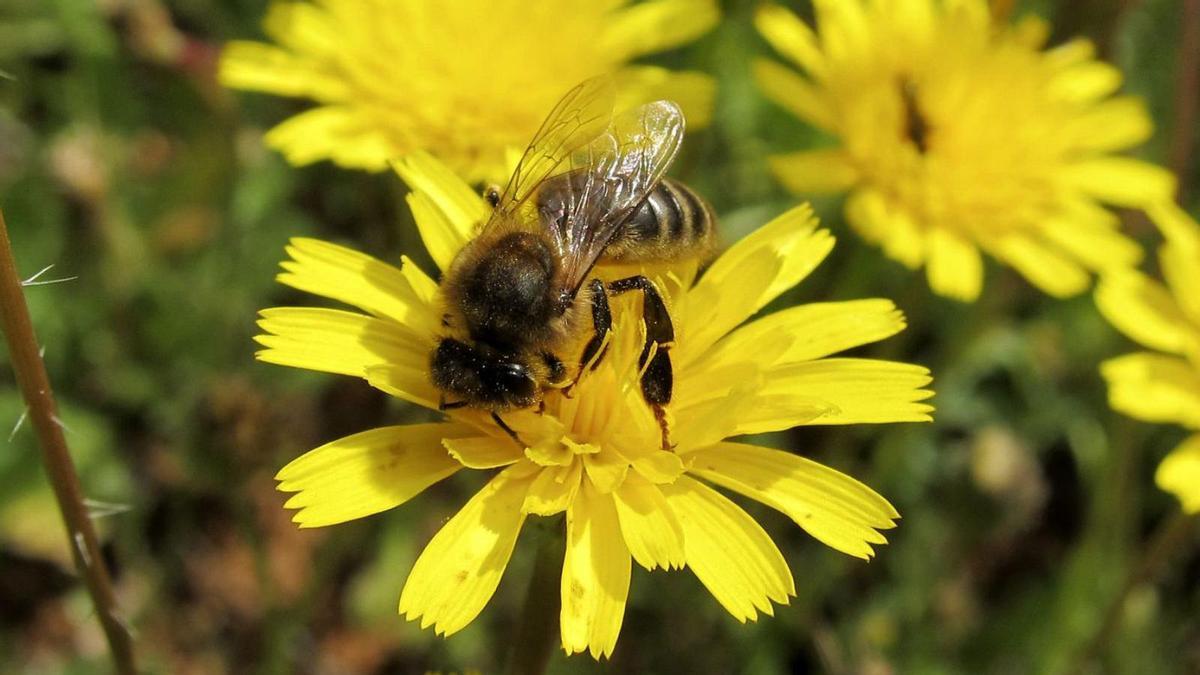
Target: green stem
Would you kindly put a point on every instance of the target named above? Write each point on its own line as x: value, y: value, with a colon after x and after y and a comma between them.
x: 538, y: 631
x: 35, y: 388
x: 1169, y: 536
x: 1187, y: 96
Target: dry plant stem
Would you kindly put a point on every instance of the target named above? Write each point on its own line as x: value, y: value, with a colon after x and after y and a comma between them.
x: 1187, y: 95
x: 1169, y: 536
x: 538, y: 631
x: 35, y: 388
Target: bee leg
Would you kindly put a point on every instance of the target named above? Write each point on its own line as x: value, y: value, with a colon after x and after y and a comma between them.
x: 507, y: 429
x: 596, y: 348
x: 655, y: 361
x: 443, y: 405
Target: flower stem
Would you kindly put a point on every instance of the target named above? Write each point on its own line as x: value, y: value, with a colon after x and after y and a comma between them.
x: 35, y: 387
x: 539, y: 618
x: 1187, y: 85
x: 1169, y: 536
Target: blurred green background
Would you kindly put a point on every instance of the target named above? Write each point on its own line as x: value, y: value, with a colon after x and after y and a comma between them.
x: 122, y: 163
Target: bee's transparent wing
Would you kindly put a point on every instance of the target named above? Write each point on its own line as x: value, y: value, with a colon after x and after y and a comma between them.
x: 582, y: 115
x: 585, y: 206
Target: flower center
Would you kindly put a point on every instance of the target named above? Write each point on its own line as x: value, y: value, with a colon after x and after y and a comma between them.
x: 957, y: 125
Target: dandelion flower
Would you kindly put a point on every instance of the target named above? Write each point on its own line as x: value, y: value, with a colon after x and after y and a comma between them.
x: 1162, y: 385
x: 958, y: 135
x: 597, y: 455
x: 466, y: 80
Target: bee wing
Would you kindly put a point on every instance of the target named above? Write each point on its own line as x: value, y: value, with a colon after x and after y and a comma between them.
x: 606, y: 180
x: 582, y: 115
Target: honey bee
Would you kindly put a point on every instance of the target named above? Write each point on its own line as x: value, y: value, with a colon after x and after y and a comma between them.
x: 588, y: 190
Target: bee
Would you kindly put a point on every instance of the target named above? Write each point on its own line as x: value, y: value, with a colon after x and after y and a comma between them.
x: 588, y: 190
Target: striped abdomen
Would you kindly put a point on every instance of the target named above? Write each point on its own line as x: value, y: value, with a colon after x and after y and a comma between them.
x: 673, y: 223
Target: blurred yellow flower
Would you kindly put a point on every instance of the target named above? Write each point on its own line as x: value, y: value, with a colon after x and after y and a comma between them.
x: 958, y: 134
x: 597, y: 455
x: 467, y: 80
x: 1161, y: 385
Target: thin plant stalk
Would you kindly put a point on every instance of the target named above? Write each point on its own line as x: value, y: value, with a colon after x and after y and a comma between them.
x: 1177, y: 530
x: 30, y: 372
x: 1187, y: 95
x: 537, y: 633
x: 1166, y: 540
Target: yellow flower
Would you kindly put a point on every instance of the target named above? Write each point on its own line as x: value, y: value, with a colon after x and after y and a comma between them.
x: 467, y: 81
x: 597, y: 455
x: 1161, y: 385
x: 959, y: 135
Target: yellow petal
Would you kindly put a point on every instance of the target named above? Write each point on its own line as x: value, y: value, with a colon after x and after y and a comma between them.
x: 791, y: 37
x: 1120, y: 180
x: 1097, y: 245
x: 1175, y: 223
x: 658, y: 466
x: 368, y: 472
x: 1141, y: 308
x: 806, y: 332
x: 1154, y: 388
x: 1179, y: 474
x: 838, y: 510
x: 838, y: 391
x: 694, y: 91
x: 844, y: 30
x: 1047, y: 269
x: 606, y: 469
x: 730, y: 553
x: 1181, y: 267
x: 954, y: 266
x: 405, y: 381
x: 1029, y: 31
x: 347, y: 136
x: 403, y: 295
x: 916, y: 18
x: 553, y: 489
x: 794, y: 93
x: 334, y: 341
x: 655, y: 26
x: 788, y: 248
x: 815, y: 171
x: 448, y: 212
x: 256, y: 66
x: 550, y: 452
x: 1070, y: 53
x: 1085, y: 81
x: 1179, y: 256
x: 483, y: 452
x: 303, y: 27
x: 649, y: 526
x: 458, y: 571
x: 1114, y: 124
x: 709, y: 409
x: 595, y: 578
x: 893, y: 228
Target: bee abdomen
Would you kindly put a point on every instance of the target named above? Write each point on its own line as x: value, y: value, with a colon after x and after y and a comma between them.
x: 672, y: 223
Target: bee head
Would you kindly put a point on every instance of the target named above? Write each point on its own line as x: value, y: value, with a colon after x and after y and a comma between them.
x: 482, y: 377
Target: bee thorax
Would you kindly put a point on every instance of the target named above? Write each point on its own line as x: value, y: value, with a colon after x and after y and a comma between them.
x: 507, y: 295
